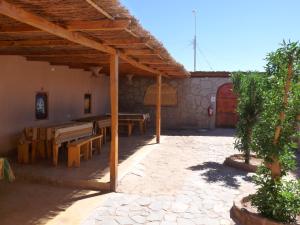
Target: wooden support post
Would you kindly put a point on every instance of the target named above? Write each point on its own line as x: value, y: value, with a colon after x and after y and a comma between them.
x: 114, y: 87
x: 158, y: 108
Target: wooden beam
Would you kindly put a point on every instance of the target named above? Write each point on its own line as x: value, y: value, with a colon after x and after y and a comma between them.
x: 98, y: 25
x: 23, y: 16
x: 99, y: 9
x: 74, y: 65
x: 67, y: 60
x: 70, y: 57
x: 49, y: 52
x: 34, y: 43
x: 55, y: 42
x: 114, y: 102
x: 158, y: 108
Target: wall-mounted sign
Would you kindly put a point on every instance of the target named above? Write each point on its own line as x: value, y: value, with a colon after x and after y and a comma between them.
x: 212, y: 99
x: 87, y: 103
x: 168, y: 95
x: 41, y: 105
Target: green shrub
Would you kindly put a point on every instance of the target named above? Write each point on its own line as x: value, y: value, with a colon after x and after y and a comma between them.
x: 276, y: 199
x: 246, y: 87
x: 273, y: 135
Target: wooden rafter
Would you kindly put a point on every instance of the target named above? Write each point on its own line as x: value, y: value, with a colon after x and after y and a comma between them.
x: 99, y: 25
x: 23, y: 16
x: 99, y: 9
x: 55, y: 42
x: 33, y: 43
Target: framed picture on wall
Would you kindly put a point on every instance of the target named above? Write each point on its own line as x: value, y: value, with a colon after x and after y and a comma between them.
x: 41, y: 105
x: 87, y: 103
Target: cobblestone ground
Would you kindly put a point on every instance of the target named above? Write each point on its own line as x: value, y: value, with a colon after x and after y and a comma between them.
x: 182, y: 181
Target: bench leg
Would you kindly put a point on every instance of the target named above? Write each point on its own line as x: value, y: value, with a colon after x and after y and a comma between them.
x: 23, y: 153
x: 41, y: 149
x: 129, y: 129
x: 48, y: 149
x: 85, y: 149
x: 55, y: 154
x: 33, y: 151
x: 100, y: 145
x: 73, y: 156
x: 141, y: 127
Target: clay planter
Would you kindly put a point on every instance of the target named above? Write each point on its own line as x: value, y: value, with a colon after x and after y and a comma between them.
x: 243, y: 214
x: 237, y: 161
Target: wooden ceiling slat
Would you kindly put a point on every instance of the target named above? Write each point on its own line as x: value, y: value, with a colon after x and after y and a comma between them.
x: 103, y: 25
x: 98, y: 8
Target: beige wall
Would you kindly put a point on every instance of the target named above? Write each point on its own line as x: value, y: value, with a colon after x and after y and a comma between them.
x: 21, y: 79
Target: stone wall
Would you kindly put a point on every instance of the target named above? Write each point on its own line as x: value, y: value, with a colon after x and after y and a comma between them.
x: 194, y: 97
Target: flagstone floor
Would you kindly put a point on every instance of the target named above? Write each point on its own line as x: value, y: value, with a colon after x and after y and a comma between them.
x: 182, y: 181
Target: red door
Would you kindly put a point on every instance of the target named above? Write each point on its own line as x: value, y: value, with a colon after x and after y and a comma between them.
x: 226, y: 115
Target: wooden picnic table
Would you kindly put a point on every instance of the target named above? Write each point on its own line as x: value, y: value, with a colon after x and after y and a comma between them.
x: 131, y: 118
x: 101, y: 123
x: 46, y: 140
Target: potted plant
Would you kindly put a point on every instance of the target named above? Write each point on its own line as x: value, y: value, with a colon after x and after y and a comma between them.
x: 277, y: 199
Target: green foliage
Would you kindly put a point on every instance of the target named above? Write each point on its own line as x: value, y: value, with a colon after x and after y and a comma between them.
x: 246, y: 87
x: 272, y: 92
x: 276, y: 199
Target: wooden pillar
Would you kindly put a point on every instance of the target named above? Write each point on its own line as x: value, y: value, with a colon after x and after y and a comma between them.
x: 158, y: 108
x: 114, y: 89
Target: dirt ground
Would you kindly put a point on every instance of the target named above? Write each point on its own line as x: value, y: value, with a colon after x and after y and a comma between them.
x: 180, y: 181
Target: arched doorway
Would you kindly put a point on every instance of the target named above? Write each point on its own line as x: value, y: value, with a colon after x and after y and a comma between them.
x: 226, y: 115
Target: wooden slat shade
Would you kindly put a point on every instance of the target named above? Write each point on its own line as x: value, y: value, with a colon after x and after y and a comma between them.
x: 112, y: 32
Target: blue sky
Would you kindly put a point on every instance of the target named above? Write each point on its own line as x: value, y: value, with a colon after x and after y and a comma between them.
x: 232, y: 34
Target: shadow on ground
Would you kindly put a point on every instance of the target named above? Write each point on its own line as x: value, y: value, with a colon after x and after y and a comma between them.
x: 220, y: 132
x: 213, y: 172
x: 28, y: 204
x: 92, y: 169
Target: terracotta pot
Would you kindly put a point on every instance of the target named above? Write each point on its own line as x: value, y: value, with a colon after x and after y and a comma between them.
x: 232, y: 162
x: 242, y: 215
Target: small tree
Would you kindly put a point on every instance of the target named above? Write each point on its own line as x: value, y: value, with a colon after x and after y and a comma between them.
x: 273, y: 134
x: 245, y: 86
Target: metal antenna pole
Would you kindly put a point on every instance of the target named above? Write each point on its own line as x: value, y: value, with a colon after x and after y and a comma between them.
x: 195, y: 41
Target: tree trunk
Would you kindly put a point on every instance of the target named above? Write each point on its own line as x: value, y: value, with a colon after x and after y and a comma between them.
x: 275, y: 166
x: 247, y: 150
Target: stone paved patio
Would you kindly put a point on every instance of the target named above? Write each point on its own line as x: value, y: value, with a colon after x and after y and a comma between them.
x: 182, y: 181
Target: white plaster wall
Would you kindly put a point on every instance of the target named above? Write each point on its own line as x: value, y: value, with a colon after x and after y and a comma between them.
x: 21, y: 79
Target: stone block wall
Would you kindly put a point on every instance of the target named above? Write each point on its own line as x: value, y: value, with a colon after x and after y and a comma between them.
x: 194, y: 97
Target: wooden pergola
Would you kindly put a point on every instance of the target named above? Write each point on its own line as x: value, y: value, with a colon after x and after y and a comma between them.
x: 84, y: 34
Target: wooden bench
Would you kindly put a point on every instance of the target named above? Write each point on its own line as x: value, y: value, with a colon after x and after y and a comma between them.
x: 83, y: 148
x: 96, y: 144
x: 78, y: 149
x: 128, y: 125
